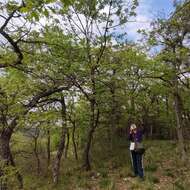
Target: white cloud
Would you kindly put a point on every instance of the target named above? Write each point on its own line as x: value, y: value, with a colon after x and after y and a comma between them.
x: 142, y: 20
x: 147, y: 11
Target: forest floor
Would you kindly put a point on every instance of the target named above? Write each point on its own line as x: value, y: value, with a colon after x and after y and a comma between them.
x: 163, y: 170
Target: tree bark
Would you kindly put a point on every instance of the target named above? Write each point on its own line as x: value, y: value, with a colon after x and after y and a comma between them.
x: 151, y: 131
x: 6, y: 158
x: 87, y: 164
x: 36, y: 155
x: 73, y: 140
x: 179, y: 127
x: 93, y: 124
x: 67, y: 144
x: 19, y: 176
x: 57, y: 162
x: 48, y: 148
x: 113, y: 118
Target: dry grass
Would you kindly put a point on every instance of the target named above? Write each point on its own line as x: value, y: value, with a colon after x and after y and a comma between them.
x: 112, y: 171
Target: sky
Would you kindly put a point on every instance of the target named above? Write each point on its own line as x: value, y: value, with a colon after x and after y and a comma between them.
x: 147, y: 11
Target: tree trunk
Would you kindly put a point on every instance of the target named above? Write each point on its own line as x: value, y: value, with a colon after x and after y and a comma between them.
x: 73, y: 140
x: 67, y: 144
x: 93, y: 124
x: 113, y: 117
x: 179, y: 128
x: 57, y: 162
x: 87, y: 164
x: 48, y: 148
x: 36, y: 155
x: 19, y: 176
x: 151, y: 131
x: 6, y: 158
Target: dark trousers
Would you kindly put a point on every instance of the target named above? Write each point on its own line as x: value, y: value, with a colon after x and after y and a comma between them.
x: 137, y: 164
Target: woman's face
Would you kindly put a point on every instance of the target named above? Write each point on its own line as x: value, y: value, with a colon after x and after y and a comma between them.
x: 135, y: 130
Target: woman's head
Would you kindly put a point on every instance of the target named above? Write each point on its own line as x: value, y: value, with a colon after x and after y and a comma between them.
x: 133, y: 127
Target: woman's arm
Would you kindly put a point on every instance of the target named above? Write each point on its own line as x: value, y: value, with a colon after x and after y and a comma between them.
x: 130, y: 137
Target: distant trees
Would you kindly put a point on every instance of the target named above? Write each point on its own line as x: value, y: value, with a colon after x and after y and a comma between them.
x: 173, y: 34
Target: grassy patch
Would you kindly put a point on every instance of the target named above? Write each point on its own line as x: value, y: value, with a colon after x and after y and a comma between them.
x: 151, y: 167
x: 153, y: 179
x: 111, y: 170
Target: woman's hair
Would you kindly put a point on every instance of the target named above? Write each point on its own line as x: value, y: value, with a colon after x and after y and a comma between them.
x: 133, y: 126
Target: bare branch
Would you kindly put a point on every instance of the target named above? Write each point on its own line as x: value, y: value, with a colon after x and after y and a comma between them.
x: 35, y: 100
x: 103, y: 46
x: 79, y: 19
x: 7, y: 20
x: 15, y: 48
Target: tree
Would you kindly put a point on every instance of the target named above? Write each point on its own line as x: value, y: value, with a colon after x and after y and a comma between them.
x: 91, y: 23
x: 172, y: 34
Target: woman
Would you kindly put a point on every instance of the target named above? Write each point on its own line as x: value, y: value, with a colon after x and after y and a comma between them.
x: 135, y: 137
